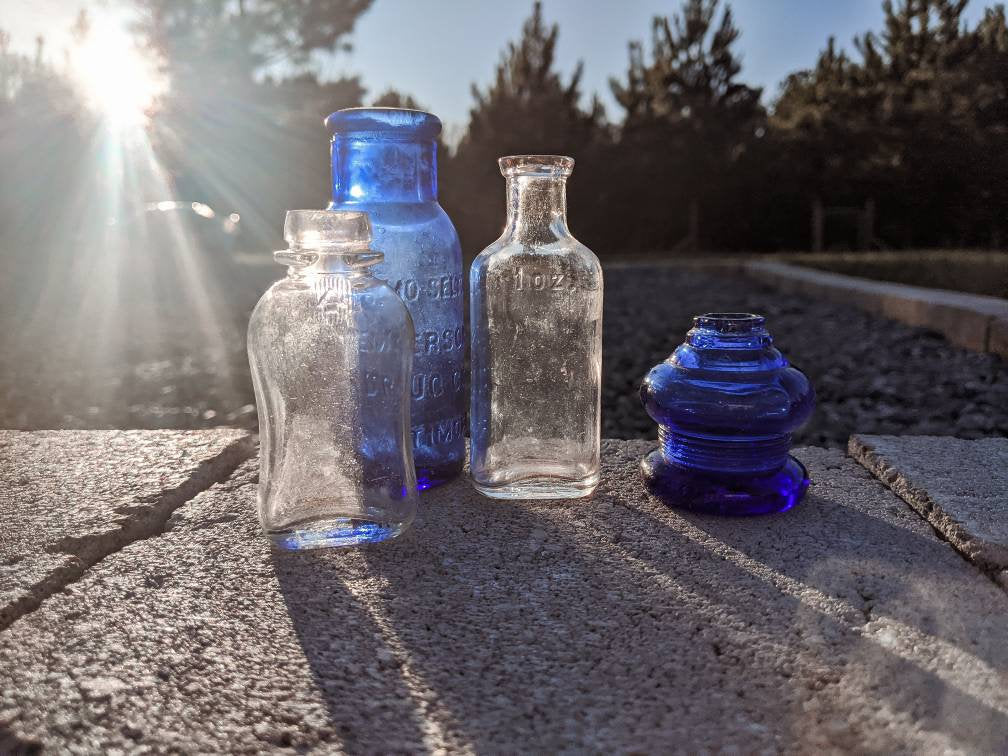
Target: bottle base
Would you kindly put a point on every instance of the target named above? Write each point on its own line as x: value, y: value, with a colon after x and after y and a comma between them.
x: 543, y: 487
x: 336, y: 533
x: 731, y: 495
x: 432, y: 476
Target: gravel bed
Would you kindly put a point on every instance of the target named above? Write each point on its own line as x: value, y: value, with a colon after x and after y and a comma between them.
x: 173, y: 366
x: 871, y: 375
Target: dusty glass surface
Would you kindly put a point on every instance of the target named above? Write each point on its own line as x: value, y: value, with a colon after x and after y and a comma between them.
x: 536, y: 349
x: 384, y: 162
x: 330, y: 348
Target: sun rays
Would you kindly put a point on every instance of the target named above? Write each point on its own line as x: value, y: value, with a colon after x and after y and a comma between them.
x: 118, y: 78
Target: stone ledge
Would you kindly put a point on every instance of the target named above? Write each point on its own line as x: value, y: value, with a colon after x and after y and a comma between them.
x: 959, y: 486
x: 608, y: 624
x: 964, y: 319
x: 70, y: 498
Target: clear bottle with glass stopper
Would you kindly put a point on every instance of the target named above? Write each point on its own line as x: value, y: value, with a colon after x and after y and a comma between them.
x: 330, y: 347
x: 536, y: 347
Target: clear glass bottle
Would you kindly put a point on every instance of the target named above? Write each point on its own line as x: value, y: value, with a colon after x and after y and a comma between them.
x: 536, y: 351
x: 384, y: 162
x: 330, y: 348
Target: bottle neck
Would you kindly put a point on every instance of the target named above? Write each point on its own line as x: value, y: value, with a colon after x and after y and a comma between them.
x: 368, y: 169
x: 537, y: 209
x: 347, y: 262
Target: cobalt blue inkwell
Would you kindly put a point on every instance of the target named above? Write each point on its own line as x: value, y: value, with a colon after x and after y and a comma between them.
x: 384, y: 162
x: 726, y: 403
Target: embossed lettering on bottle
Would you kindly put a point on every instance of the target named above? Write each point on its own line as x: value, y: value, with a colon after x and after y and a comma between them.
x: 536, y: 355
x: 384, y: 161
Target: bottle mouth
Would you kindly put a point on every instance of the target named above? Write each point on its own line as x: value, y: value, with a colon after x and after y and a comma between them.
x: 729, y: 322
x: 312, y: 233
x: 317, y: 229
x: 536, y: 165
x: 389, y: 122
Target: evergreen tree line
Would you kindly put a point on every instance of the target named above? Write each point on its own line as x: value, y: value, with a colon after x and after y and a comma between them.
x: 911, y: 131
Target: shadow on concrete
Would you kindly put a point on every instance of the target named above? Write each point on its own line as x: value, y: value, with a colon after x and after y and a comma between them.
x: 600, y: 624
x: 369, y: 704
x: 16, y: 746
x: 573, y: 626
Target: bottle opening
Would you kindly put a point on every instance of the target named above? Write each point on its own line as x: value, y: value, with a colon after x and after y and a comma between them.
x: 314, y: 229
x: 311, y: 234
x: 536, y: 165
x: 389, y: 122
x: 729, y: 322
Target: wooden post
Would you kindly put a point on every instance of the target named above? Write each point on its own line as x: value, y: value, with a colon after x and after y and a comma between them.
x: 694, y: 225
x: 817, y: 225
x: 866, y: 228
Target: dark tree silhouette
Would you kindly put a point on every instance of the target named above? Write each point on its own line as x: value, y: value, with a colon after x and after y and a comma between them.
x: 231, y: 138
x: 528, y: 108
x: 916, y: 122
x: 688, y: 121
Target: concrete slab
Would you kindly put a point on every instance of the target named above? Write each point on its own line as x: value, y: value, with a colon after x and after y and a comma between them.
x: 68, y: 498
x: 611, y: 624
x: 964, y: 319
x: 959, y: 486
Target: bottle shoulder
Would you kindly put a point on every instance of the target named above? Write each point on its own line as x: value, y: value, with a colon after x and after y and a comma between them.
x: 294, y: 299
x: 506, y: 250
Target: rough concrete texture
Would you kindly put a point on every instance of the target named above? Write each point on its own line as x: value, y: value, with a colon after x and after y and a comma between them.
x: 69, y: 498
x: 609, y: 624
x: 964, y: 319
x: 959, y: 486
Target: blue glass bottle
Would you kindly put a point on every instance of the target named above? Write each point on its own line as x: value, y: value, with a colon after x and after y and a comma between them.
x: 384, y: 162
x: 726, y: 403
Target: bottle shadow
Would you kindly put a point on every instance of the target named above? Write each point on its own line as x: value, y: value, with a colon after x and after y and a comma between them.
x: 17, y: 746
x: 370, y: 706
x: 531, y: 626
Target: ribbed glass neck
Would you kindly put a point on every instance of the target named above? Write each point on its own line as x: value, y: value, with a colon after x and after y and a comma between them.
x: 537, y: 208
x: 370, y: 168
x: 339, y: 260
x: 729, y: 330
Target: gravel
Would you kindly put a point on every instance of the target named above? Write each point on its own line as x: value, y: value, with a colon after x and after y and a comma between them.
x: 871, y: 375
x: 182, y: 364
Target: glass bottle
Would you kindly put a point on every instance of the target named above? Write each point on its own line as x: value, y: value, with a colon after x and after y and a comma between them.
x: 726, y: 403
x: 536, y: 353
x: 384, y: 162
x: 330, y: 348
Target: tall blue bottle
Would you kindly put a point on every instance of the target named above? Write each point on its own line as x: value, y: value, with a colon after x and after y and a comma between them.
x: 384, y: 162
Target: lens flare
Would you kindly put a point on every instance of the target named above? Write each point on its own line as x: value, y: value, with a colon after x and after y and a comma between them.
x: 117, y: 77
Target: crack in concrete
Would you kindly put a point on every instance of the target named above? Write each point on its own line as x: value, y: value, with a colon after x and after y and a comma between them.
x: 145, y: 520
x: 920, y: 502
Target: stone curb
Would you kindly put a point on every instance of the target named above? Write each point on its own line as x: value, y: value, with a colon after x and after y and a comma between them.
x: 976, y: 322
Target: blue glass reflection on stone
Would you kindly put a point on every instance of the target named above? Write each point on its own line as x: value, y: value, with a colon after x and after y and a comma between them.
x: 384, y: 162
x: 726, y: 403
x: 339, y: 533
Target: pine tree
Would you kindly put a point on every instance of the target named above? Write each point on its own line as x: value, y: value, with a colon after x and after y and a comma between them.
x: 916, y: 122
x: 528, y: 108
x: 688, y: 119
x: 231, y: 131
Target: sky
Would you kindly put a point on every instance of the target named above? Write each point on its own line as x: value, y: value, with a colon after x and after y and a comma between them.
x: 435, y: 49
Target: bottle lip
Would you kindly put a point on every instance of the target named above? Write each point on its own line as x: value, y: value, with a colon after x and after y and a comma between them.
x: 729, y: 322
x: 317, y: 229
x: 402, y: 122
x: 536, y: 165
